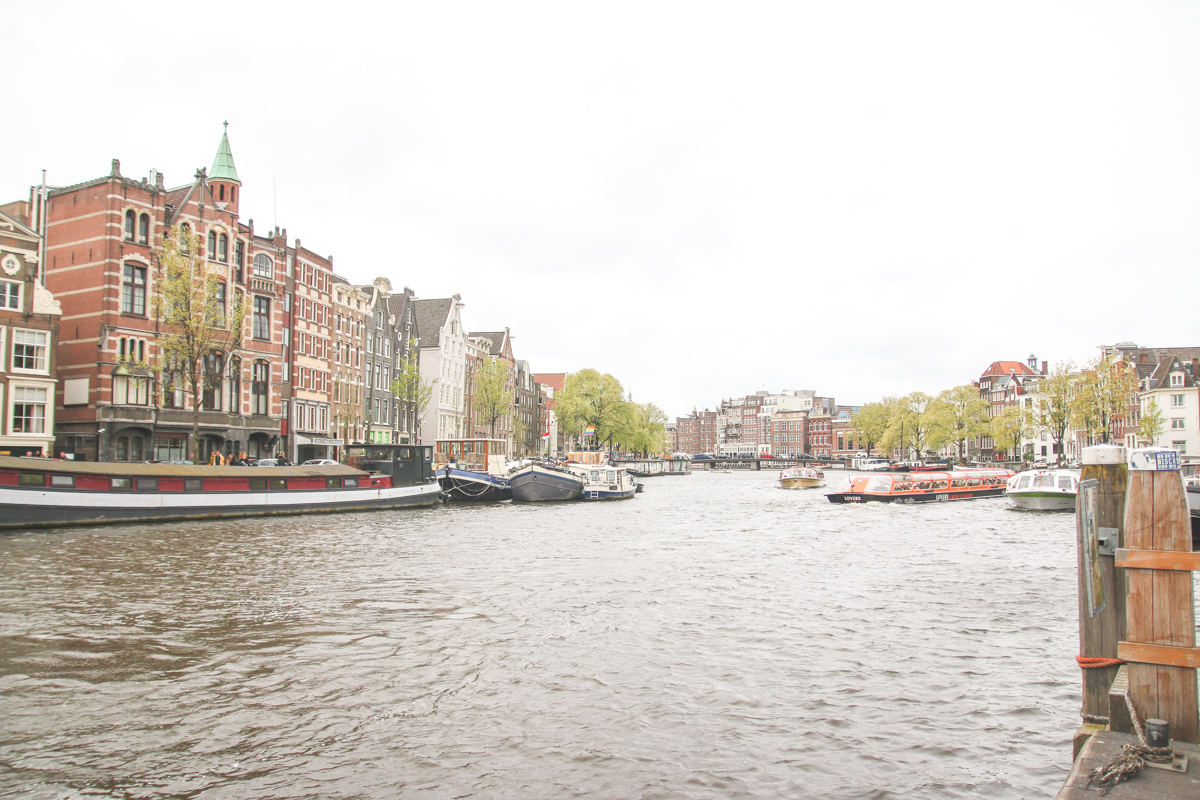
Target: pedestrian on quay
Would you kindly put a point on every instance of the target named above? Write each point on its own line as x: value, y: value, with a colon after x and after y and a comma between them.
x: 282, y: 460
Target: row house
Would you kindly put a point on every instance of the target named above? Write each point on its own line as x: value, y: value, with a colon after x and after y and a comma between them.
x: 789, y: 433
x: 552, y: 384
x: 845, y: 440
x: 348, y: 397
x: 310, y: 301
x: 529, y: 407
x: 383, y: 332
x: 1173, y: 387
x: 102, y: 239
x: 696, y: 433
x: 497, y: 346
x: 29, y: 325
x: 1003, y: 384
x: 443, y: 359
x: 405, y: 348
x: 1156, y: 368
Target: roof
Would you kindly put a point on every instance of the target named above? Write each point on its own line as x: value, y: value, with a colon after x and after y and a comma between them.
x: 430, y: 316
x: 223, y: 168
x: 496, y: 338
x: 1007, y: 368
x: 556, y: 380
x: 1161, y: 378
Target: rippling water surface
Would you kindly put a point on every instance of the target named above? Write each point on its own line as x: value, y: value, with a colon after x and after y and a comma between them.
x: 713, y: 637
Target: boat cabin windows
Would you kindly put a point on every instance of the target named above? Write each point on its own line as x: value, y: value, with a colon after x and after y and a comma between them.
x: 922, y: 485
x: 942, y: 484
x: 333, y: 483
x: 1045, y: 481
x: 903, y: 486
x: 1024, y: 481
x: 1066, y: 482
x: 258, y: 484
x: 122, y: 484
x: 958, y: 483
x: 974, y: 481
x: 31, y: 479
x: 147, y: 484
x: 193, y: 484
x: 67, y: 481
x: 279, y: 484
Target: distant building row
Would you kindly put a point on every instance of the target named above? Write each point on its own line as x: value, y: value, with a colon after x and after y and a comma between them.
x: 319, y: 358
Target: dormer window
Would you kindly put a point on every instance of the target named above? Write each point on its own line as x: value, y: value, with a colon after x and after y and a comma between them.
x: 1176, y: 379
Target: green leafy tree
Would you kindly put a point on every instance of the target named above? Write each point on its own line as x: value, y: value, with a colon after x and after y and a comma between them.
x: 959, y: 415
x: 413, y: 391
x: 870, y: 424
x: 1052, y: 404
x: 1103, y: 395
x: 1010, y: 428
x: 648, y: 429
x: 201, y: 326
x: 494, y: 393
x: 591, y: 398
x: 912, y: 422
x: 1153, y: 423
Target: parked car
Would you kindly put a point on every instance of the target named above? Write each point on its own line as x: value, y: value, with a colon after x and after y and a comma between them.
x: 267, y: 462
x: 319, y: 462
x: 703, y: 457
x: 1041, y: 463
x: 1076, y: 464
x: 765, y: 455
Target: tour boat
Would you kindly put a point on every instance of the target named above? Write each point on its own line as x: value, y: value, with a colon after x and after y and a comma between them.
x: 801, y: 478
x: 39, y: 492
x: 538, y: 483
x: 921, y: 487
x: 473, y: 469
x: 1044, y: 489
x: 604, y: 481
x: 869, y: 464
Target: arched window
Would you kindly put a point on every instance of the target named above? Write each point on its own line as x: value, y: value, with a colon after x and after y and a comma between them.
x: 233, y: 194
x: 214, y: 365
x: 144, y: 229
x: 235, y: 385
x: 264, y: 267
x: 212, y: 244
x: 130, y: 218
x: 222, y: 192
x: 223, y: 248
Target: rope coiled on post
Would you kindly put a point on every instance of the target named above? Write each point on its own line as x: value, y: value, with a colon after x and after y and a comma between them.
x: 1132, y: 758
x: 1087, y: 662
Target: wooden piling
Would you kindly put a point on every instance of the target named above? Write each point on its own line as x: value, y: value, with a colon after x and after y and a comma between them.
x: 1160, y: 627
x: 1099, y: 634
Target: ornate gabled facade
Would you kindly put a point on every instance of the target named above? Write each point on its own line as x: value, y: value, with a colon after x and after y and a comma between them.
x: 29, y: 324
x: 443, y: 355
x: 102, y: 246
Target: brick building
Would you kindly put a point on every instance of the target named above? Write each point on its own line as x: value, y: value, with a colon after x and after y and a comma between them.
x: 29, y: 323
x: 102, y: 245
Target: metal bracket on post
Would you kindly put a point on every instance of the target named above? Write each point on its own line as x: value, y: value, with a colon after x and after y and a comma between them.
x: 1106, y: 540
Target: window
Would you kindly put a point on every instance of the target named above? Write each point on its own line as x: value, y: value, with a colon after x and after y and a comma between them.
x: 1176, y: 379
x: 29, y: 350
x: 130, y: 221
x: 133, y: 290
x: 263, y: 266
x: 223, y: 248
x: 29, y: 409
x: 131, y: 390
x: 235, y: 386
x: 259, y: 387
x: 1176, y: 401
x: 214, y: 366
x: 1181, y: 446
x: 262, y: 317
x: 1178, y: 425
x: 144, y: 229
x: 10, y: 295
x: 212, y: 244
x: 239, y: 260
x: 185, y: 237
x: 219, y: 305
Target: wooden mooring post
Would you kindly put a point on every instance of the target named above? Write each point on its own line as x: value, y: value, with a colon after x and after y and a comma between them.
x: 1099, y: 510
x: 1134, y: 556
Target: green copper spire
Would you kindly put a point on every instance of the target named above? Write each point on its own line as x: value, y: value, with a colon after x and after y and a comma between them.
x: 223, y: 168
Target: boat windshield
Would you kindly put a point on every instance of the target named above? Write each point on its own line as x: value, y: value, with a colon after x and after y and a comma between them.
x: 1023, y: 481
x: 1066, y: 482
x: 1045, y: 481
x: 881, y: 484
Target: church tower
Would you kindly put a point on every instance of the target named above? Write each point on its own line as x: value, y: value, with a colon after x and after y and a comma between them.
x: 223, y: 177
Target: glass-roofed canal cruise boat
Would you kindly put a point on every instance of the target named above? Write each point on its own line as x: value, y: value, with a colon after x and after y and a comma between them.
x: 923, y: 487
x: 39, y: 492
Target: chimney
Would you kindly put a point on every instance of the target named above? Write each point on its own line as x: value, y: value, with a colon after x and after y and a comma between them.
x: 1045, y: 367
x: 1196, y: 369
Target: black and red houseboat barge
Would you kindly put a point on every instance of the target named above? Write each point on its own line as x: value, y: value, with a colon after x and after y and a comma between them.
x: 39, y: 492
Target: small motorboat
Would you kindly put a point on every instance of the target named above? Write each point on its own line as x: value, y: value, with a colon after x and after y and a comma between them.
x: 1044, y: 489
x: 801, y: 478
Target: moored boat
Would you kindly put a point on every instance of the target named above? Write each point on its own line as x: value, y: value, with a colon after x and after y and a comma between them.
x: 604, y: 481
x: 1044, y: 489
x: 473, y: 469
x: 537, y: 483
x: 801, y: 478
x: 922, y: 487
x: 38, y: 492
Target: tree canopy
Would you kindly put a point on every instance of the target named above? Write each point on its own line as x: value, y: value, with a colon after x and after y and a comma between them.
x: 590, y: 398
x: 413, y: 391
x: 494, y: 392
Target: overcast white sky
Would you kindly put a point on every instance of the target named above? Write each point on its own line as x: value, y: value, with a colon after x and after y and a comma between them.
x: 861, y: 198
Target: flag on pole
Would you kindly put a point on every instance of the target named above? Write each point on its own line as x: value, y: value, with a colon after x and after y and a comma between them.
x: 590, y: 430
x: 545, y: 434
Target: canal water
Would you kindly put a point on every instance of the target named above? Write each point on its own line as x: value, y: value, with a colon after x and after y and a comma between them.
x: 713, y: 637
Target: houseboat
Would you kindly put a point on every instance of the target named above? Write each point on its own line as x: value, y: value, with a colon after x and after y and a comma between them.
x: 39, y: 492
x: 869, y: 464
x: 1044, y: 489
x: 922, y: 487
x: 473, y: 469
x: 801, y: 478
x: 602, y: 481
x: 653, y: 467
x: 542, y: 482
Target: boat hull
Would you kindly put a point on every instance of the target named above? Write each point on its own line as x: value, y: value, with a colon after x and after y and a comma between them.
x: 535, y: 484
x: 1043, y: 501
x: 926, y: 497
x: 468, y: 486
x: 801, y: 483
x: 45, y: 508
